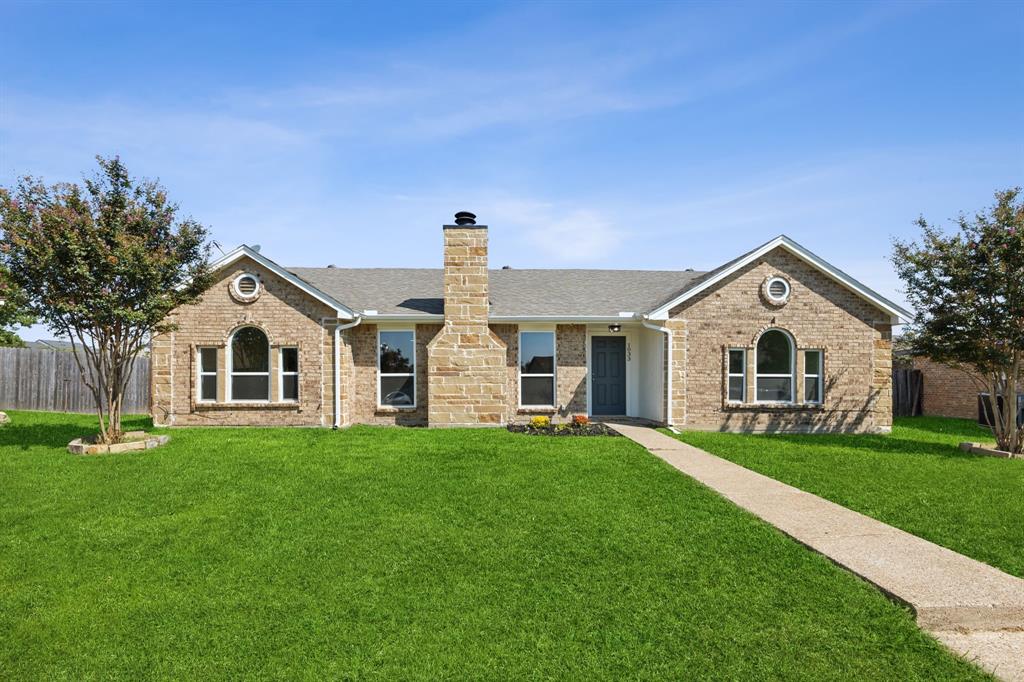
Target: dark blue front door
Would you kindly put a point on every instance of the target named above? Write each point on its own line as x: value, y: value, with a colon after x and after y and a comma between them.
x: 608, y: 375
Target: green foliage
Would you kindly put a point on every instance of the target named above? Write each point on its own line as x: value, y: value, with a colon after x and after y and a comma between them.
x: 12, y: 308
x: 103, y: 266
x: 383, y: 553
x: 968, y: 289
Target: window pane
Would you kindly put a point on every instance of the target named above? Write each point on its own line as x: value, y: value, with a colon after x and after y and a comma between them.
x: 537, y: 353
x: 290, y: 387
x: 250, y: 351
x: 538, y: 391
x: 207, y: 359
x: 736, y: 362
x: 773, y: 353
x: 396, y: 352
x: 811, y: 389
x: 775, y: 388
x: 397, y: 391
x: 812, y: 362
x: 736, y: 389
x: 289, y: 359
x: 208, y: 387
x: 250, y: 388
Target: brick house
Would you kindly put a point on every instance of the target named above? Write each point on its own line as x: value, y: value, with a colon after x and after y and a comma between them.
x: 776, y: 339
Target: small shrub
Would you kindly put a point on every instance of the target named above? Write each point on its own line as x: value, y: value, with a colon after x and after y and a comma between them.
x: 540, y: 422
x: 580, y: 420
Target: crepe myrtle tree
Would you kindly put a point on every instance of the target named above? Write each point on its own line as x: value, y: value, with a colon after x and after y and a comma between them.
x: 12, y: 312
x: 968, y: 288
x: 103, y: 266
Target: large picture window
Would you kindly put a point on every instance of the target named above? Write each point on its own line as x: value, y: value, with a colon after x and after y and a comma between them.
x: 396, y: 358
x: 537, y: 369
x: 207, y: 374
x: 775, y: 367
x: 250, y: 365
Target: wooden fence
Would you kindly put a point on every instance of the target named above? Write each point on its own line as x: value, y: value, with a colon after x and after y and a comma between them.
x: 907, y: 389
x: 42, y: 379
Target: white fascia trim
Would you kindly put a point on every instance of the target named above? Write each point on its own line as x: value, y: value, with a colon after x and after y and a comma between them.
x: 540, y: 319
x: 555, y: 319
x: 899, y: 315
x: 245, y: 251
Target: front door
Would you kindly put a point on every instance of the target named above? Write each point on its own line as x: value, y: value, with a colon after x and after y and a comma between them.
x: 608, y: 375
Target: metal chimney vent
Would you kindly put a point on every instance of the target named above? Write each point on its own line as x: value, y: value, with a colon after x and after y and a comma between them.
x: 465, y: 218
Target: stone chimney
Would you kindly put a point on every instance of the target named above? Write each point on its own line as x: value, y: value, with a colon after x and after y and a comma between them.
x: 467, y: 379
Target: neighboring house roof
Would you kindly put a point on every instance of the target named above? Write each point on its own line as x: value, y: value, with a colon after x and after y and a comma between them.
x: 715, y: 276
x: 50, y: 344
x: 513, y: 293
x: 244, y: 251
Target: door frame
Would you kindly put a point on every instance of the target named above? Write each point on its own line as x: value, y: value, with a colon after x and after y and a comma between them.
x: 631, y: 375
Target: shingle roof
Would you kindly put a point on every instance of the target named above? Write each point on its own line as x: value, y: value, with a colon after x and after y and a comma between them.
x: 513, y: 293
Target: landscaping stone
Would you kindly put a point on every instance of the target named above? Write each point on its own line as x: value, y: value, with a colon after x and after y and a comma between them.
x: 987, y: 450
x: 4, y: 418
x: 134, y: 440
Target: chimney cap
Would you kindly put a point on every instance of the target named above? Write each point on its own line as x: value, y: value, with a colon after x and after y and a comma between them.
x: 465, y: 218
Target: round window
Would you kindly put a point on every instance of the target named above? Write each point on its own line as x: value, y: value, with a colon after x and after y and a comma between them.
x: 247, y: 286
x: 777, y: 289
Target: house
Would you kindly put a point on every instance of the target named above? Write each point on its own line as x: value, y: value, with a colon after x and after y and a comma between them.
x: 776, y: 339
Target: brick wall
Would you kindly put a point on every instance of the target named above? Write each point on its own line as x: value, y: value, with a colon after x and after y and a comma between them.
x: 288, y: 316
x: 362, y: 340
x: 947, y: 392
x: 820, y: 314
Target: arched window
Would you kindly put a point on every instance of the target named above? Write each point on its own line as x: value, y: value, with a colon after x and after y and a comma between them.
x: 250, y: 365
x: 775, y: 367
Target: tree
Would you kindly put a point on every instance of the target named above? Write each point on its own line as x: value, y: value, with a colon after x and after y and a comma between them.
x: 102, y: 266
x: 968, y: 289
x: 12, y: 312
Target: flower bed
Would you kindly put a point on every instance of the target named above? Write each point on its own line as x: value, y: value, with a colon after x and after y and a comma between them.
x: 585, y: 429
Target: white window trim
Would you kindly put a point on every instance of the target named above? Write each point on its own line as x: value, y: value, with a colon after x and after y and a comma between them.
x: 768, y: 289
x: 381, y: 375
x: 229, y: 362
x: 203, y: 373
x: 729, y: 375
x: 791, y: 376
x: 238, y: 291
x: 820, y: 398
x: 281, y: 374
x: 554, y: 368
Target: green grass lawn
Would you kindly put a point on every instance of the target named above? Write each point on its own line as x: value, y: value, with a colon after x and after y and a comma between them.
x: 411, y: 553
x: 914, y: 478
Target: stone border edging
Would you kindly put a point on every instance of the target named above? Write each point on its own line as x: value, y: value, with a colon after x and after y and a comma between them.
x: 979, y: 449
x: 143, y: 441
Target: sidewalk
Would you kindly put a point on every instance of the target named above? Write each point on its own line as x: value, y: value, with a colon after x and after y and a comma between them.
x: 974, y: 609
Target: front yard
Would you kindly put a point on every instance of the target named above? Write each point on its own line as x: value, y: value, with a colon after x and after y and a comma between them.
x: 409, y: 553
x: 914, y: 478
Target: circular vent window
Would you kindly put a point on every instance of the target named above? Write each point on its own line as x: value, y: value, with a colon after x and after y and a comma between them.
x: 777, y: 289
x: 247, y: 286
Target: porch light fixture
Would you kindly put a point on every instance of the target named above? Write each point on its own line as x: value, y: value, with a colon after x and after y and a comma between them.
x: 615, y: 328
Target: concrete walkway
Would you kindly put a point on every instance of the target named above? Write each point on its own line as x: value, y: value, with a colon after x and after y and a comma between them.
x: 973, y: 608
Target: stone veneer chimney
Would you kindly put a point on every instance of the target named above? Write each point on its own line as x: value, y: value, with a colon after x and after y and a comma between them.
x: 467, y: 380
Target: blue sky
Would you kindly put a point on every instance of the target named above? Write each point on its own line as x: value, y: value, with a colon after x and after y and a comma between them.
x: 627, y: 135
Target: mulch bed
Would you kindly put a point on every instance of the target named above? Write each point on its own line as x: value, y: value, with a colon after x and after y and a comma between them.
x: 563, y: 430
